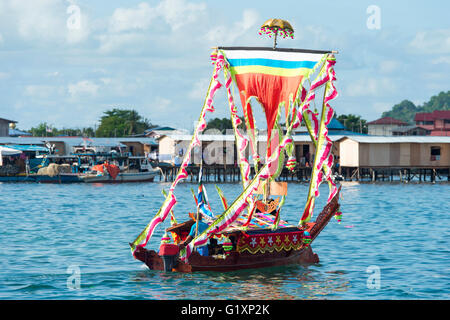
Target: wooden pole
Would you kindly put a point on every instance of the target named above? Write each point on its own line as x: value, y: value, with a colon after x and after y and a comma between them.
x: 275, y: 39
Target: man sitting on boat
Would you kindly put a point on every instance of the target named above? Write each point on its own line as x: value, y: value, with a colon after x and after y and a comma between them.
x: 202, y: 250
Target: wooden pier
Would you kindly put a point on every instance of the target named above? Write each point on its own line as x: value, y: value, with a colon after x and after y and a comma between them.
x: 418, y: 174
x: 231, y: 173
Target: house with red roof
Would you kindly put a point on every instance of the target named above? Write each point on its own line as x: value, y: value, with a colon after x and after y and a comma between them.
x: 437, y: 122
x: 384, y: 126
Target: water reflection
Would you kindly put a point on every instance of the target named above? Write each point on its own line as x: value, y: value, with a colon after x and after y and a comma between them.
x: 278, y: 283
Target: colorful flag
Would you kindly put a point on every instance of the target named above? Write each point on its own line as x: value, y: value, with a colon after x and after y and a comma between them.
x: 203, y: 204
x: 222, y: 198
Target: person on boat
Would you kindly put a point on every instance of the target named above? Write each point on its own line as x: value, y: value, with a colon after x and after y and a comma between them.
x: 202, y: 250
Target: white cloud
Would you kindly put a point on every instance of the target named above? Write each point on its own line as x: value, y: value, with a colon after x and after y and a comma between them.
x: 227, y: 35
x: 53, y: 74
x: 42, y: 91
x: 115, y: 41
x: 82, y: 88
x: 388, y: 66
x: 124, y: 19
x: 432, y: 42
x: 371, y: 87
x: 4, y: 75
x: 130, y: 28
x: 41, y: 20
x: 199, y: 89
x: 441, y: 60
x: 380, y: 107
x: 177, y: 13
x: 122, y: 86
x: 106, y: 81
x: 161, y: 104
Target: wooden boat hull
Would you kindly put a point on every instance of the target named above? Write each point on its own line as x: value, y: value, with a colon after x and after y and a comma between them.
x: 59, y: 178
x: 122, y: 177
x: 235, y: 261
x: 247, y: 260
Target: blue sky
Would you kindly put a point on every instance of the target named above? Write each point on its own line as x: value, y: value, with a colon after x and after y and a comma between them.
x: 153, y: 56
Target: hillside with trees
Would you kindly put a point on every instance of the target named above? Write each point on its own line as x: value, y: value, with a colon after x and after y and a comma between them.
x: 406, y: 110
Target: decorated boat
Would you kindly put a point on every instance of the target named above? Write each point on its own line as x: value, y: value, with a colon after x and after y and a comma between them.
x: 250, y: 232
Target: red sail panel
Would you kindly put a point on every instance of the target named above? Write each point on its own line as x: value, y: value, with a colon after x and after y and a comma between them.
x: 271, y: 76
x: 270, y: 90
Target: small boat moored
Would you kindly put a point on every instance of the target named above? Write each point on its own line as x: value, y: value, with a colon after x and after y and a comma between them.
x: 110, y: 173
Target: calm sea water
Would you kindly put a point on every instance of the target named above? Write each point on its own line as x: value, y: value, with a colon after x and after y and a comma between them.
x: 71, y: 242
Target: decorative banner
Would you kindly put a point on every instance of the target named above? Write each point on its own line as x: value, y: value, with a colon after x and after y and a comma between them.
x: 252, y: 133
x: 173, y: 220
x: 241, y: 141
x: 170, y: 201
x: 222, y: 198
x: 319, y: 135
x: 261, y: 243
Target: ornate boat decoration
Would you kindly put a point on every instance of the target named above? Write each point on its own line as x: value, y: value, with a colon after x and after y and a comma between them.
x: 285, y: 83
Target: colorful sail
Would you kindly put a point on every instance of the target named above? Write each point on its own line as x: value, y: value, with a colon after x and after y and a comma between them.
x: 271, y: 76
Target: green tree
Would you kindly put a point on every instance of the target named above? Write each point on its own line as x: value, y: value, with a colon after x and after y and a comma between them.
x: 121, y: 122
x: 41, y: 130
x: 223, y: 124
x: 84, y: 132
x: 88, y: 132
x: 353, y: 122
